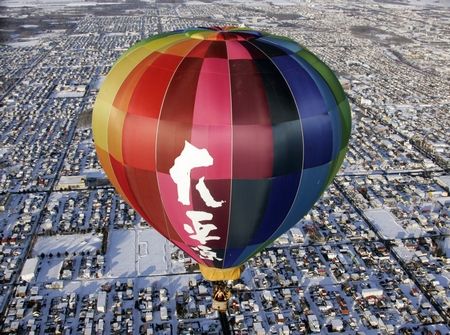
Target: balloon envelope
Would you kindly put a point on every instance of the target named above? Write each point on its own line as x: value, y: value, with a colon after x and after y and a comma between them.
x: 222, y: 139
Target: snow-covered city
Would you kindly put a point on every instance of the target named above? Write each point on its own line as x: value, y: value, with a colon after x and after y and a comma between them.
x: 371, y: 257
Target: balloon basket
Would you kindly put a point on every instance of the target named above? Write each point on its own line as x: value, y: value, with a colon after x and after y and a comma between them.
x: 221, y: 296
x: 220, y: 306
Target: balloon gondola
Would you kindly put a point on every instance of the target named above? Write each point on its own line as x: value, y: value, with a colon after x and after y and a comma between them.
x: 221, y: 138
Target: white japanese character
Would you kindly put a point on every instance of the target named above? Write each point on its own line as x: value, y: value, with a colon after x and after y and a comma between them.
x: 198, y: 230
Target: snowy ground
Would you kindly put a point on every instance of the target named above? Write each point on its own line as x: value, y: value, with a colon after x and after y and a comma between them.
x: 35, y: 40
x: 46, y: 3
x: 71, y: 243
x: 404, y: 253
x: 385, y: 223
x: 49, y: 270
x: 69, y: 94
x: 139, y: 252
x: 98, y: 82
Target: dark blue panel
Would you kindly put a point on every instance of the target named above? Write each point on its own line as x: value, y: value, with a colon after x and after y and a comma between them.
x: 282, y: 195
x: 317, y: 140
x: 330, y: 101
x: 316, y: 122
x: 269, y: 49
x: 286, y: 45
x: 252, y: 33
x: 241, y: 255
x: 306, y: 93
x: 311, y: 184
x: 232, y: 255
x: 286, y: 131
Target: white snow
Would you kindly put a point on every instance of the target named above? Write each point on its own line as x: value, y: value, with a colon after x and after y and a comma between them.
x: 404, y: 253
x: 139, y: 252
x: 121, y: 253
x: 51, y: 4
x: 445, y: 180
x: 70, y: 243
x: 385, y: 223
x: 155, y: 252
x: 50, y: 269
x: 35, y: 40
x: 81, y: 4
x: 69, y: 94
x: 29, y: 269
x: 24, y: 43
x: 446, y: 247
x: 97, y: 83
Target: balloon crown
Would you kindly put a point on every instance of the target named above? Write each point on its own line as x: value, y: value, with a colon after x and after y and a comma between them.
x: 224, y: 33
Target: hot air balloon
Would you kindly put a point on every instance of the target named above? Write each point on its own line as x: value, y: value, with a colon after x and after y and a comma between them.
x: 221, y: 138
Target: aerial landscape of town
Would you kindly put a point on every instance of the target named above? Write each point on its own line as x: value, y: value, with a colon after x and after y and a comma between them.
x: 371, y: 257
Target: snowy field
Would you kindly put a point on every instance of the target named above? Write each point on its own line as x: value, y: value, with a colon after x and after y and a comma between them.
x: 71, y: 243
x: 385, y: 223
x: 35, y: 40
x: 97, y: 83
x: 46, y: 3
x: 404, y: 253
x: 139, y: 252
x: 69, y: 94
x: 49, y: 271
